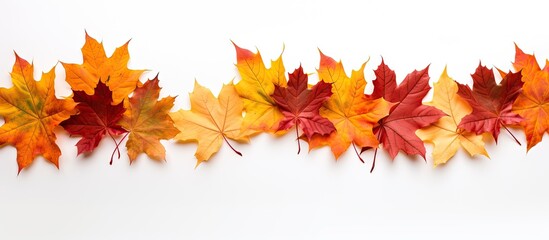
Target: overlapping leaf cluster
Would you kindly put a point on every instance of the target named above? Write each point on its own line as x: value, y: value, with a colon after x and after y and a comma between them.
x: 109, y: 100
x: 100, y: 105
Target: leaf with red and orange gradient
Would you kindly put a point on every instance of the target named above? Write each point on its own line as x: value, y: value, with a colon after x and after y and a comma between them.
x: 112, y: 71
x: 526, y: 63
x: 255, y: 87
x: 148, y: 121
x: 533, y: 102
x: 31, y: 112
x: 491, y: 103
x: 353, y: 113
x: 533, y: 105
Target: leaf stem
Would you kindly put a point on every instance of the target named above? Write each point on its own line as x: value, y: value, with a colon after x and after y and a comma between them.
x: 297, y: 139
x: 358, y: 154
x: 117, y: 147
x: 375, y: 152
x: 228, y: 143
x: 374, y: 162
x: 516, y: 140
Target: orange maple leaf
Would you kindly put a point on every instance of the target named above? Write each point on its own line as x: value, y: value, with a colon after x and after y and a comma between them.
x: 353, y: 113
x: 533, y: 102
x: 526, y: 63
x: 31, y: 112
x: 112, y: 71
x: 147, y: 121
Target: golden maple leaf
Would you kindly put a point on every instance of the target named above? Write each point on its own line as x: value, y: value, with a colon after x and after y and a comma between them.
x: 210, y: 120
x: 31, y: 112
x: 353, y: 113
x: 147, y: 121
x: 444, y: 134
x: 112, y: 71
x: 255, y: 87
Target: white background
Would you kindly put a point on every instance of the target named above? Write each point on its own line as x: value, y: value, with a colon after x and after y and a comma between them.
x: 272, y: 193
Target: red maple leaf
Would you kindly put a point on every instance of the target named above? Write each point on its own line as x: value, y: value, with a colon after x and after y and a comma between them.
x: 491, y: 103
x: 300, y: 105
x: 397, y: 131
x: 95, y: 118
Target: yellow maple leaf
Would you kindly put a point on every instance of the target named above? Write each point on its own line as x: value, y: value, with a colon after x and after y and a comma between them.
x: 255, y: 88
x: 353, y: 113
x: 210, y: 120
x: 444, y: 134
x: 112, y: 71
x: 31, y: 112
x: 147, y: 121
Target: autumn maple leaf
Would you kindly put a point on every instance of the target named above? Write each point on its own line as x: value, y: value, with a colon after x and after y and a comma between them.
x: 533, y: 105
x: 113, y: 71
x: 397, y: 131
x: 148, y: 121
x: 533, y: 102
x: 300, y: 106
x: 31, y: 112
x: 210, y: 121
x: 96, y: 117
x: 255, y: 87
x: 491, y: 103
x: 353, y: 113
x: 445, y: 134
x: 526, y: 64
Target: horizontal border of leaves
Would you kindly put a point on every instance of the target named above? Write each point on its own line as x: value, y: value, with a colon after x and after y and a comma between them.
x: 296, y: 126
